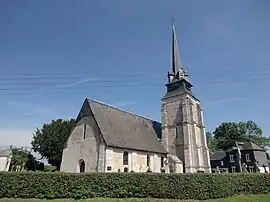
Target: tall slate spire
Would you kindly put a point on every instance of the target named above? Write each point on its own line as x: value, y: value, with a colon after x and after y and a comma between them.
x: 176, y: 61
x: 177, y: 69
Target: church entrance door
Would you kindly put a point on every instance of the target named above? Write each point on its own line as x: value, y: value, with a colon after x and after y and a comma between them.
x: 82, y: 166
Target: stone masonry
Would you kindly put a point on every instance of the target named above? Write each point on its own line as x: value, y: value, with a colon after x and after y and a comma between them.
x: 183, y: 133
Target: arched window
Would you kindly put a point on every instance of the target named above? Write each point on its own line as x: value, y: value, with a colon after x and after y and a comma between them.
x: 162, y: 162
x: 125, y: 158
x: 82, y: 166
x: 126, y: 170
x: 84, y: 131
x: 148, y: 160
x: 171, y: 169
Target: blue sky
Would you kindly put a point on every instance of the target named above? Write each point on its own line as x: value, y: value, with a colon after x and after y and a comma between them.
x: 54, y: 54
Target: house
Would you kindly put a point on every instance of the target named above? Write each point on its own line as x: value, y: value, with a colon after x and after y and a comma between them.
x: 5, y: 159
x: 109, y: 139
x: 253, y: 159
x: 219, y: 162
x: 268, y: 156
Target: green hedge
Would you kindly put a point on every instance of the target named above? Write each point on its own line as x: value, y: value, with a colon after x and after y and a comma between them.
x: 120, y: 185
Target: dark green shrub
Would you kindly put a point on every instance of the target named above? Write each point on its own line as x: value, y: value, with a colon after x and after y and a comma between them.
x: 49, y: 168
x: 123, y: 185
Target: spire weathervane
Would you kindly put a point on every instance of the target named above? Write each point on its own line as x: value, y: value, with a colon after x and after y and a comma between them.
x: 173, y: 19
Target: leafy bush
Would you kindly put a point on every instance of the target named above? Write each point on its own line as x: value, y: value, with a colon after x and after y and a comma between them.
x: 49, y: 168
x: 123, y: 185
x: 22, y: 159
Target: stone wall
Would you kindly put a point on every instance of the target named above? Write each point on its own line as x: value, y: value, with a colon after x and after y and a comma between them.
x: 85, y: 146
x: 183, y: 132
x: 137, y: 161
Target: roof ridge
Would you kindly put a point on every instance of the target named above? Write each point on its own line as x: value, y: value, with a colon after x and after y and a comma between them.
x: 119, y: 109
x: 253, y: 144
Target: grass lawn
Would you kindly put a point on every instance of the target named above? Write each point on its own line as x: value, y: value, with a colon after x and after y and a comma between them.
x: 251, y: 198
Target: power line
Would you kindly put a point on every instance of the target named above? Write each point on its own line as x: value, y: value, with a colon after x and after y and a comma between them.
x: 40, y: 89
x: 261, y: 67
x: 75, y: 77
x: 109, y: 79
x: 82, y: 74
x: 40, y: 84
x: 81, y: 81
x: 97, y: 79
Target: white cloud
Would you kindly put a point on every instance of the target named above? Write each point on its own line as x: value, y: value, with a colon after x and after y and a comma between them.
x: 68, y: 85
x: 37, y: 111
x: 76, y: 83
x: 221, y: 101
x: 42, y: 89
x: 15, y: 137
x: 18, y: 138
x: 30, y: 108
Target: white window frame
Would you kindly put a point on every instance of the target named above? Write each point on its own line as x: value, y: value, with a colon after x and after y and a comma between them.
x: 233, y: 169
x: 232, y: 158
x: 125, y: 158
x: 221, y: 163
x: 248, y: 158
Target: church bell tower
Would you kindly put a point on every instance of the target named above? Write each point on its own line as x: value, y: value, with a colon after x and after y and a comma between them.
x: 183, y: 131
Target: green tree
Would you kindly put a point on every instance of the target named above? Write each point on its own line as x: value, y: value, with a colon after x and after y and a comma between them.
x: 254, y: 133
x: 50, y: 139
x: 227, y: 133
x: 211, y: 142
x: 49, y: 168
x: 23, y: 160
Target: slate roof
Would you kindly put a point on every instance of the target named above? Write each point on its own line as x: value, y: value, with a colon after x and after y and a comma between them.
x: 175, y: 159
x: 176, y: 88
x: 218, y: 156
x: 252, y: 146
x: 126, y: 130
x: 5, y: 152
x: 248, y: 146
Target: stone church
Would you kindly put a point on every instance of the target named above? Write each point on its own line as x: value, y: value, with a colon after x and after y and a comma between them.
x: 108, y: 139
